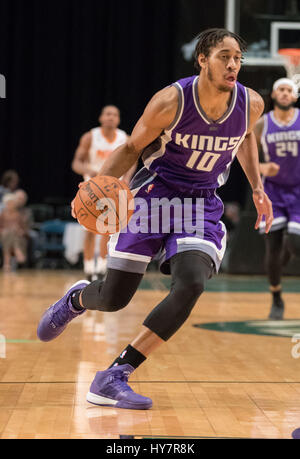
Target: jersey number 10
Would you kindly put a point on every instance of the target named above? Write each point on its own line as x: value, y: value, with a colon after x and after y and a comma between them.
x: 206, y: 163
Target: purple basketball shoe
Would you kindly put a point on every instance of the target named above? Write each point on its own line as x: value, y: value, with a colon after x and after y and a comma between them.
x: 57, y: 317
x: 110, y: 388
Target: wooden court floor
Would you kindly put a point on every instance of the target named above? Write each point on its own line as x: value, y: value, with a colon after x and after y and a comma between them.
x: 213, y: 382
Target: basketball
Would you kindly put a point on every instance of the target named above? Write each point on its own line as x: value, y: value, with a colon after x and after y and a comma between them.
x: 104, y: 205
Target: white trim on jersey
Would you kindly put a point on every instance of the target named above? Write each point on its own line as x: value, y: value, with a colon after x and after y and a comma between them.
x: 293, y: 227
x: 167, y: 136
x: 196, y: 240
x: 280, y: 125
x: 247, y: 108
x: 196, y: 102
x: 263, y: 139
x: 276, y: 221
x: 222, y: 178
x: 125, y: 255
x: 165, y: 139
x: 179, y: 110
x: 201, y: 112
x: 232, y: 107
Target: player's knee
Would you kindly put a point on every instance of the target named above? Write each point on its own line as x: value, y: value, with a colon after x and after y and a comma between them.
x: 113, y: 300
x: 112, y: 304
x: 273, y: 250
x: 89, y: 236
x: 94, y: 297
x: 294, y: 244
x: 196, y: 288
x: 112, y: 294
x: 190, y: 289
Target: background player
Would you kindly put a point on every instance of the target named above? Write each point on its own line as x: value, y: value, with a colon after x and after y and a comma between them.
x: 210, y: 110
x: 94, y: 148
x: 278, y: 135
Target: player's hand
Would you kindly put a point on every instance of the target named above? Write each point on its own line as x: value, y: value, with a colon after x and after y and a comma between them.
x: 269, y: 169
x: 73, y: 202
x: 73, y: 209
x: 264, y: 208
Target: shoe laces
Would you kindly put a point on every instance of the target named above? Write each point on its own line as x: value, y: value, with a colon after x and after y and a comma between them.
x: 62, y: 316
x: 119, y: 380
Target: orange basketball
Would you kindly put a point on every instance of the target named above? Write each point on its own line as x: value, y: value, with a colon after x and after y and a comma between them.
x: 104, y: 205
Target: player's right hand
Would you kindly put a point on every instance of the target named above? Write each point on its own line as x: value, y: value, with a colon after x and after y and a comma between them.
x: 269, y: 169
x: 264, y: 207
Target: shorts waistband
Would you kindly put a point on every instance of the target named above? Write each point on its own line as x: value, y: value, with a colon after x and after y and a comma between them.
x: 191, y: 191
x: 144, y: 175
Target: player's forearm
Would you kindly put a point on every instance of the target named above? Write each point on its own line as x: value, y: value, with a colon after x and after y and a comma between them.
x: 249, y: 160
x: 120, y: 161
x: 129, y: 174
x: 80, y: 167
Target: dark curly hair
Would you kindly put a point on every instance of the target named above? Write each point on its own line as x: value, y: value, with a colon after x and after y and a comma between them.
x: 210, y: 38
x: 8, y: 177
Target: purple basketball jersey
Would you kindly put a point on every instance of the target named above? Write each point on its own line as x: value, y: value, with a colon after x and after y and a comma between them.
x: 187, y: 162
x: 195, y: 152
x: 281, y: 145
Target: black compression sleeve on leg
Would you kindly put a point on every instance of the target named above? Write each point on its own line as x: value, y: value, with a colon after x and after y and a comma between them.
x: 274, y: 247
x: 112, y: 294
x: 190, y: 271
x: 293, y: 242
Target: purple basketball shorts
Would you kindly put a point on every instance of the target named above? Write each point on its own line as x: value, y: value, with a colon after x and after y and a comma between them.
x: 167, y: 221
x: 286, y: 207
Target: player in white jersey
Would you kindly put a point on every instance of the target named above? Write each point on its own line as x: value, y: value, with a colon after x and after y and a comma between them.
x: 93, y: 149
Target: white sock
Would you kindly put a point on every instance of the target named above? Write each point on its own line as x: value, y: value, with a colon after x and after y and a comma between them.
x: 101, y: 264
x: 89, y: 266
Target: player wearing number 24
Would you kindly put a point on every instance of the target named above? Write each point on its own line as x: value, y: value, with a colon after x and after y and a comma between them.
x: 278, y: 137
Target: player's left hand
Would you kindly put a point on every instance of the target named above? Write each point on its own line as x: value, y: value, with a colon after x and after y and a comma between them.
x: 73, y: 209
x: 264, y: 208
x: 73, y: 213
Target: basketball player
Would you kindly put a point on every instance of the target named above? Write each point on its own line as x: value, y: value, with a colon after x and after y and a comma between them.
x: 278, y: 134
x: 94, y: 147
x: 189, y: 134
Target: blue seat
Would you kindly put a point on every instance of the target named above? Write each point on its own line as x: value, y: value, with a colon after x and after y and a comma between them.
x: 49, y: 251
x: 41, y: 213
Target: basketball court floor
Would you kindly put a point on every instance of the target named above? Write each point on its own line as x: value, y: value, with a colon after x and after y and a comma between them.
x: 228, y: 373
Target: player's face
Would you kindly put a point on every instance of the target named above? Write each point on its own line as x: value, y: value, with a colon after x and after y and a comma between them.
x: 20, y: 198
x: 13, y: 184
x: 110, y: 118
x: 284, y: 97
x: 223, y: 64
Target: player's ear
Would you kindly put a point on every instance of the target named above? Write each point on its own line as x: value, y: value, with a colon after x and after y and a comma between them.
x: 202, y: 61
